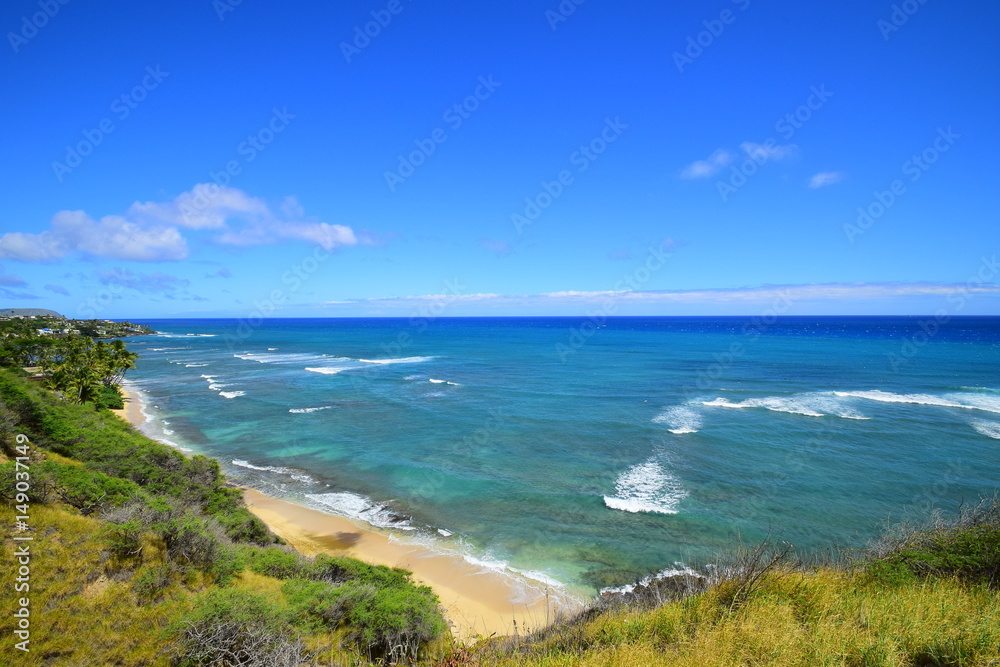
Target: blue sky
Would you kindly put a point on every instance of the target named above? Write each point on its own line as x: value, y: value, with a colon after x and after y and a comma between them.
x: 214, y: 159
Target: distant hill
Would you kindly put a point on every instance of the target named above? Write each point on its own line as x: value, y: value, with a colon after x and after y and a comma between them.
x: 28, y: 312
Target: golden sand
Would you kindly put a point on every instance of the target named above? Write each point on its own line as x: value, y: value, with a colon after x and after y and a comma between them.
x: 132, y: 412
x: 477, y: 601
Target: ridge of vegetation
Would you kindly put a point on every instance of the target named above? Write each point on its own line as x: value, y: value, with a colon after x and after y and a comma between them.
x: 144, y: 556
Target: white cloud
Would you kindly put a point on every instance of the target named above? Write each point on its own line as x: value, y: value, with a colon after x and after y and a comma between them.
x: 722, y: 158
x: 768, y: 151
x: 715, y: 163
x: 825, y: 178
x: 205, y: 206
x: 751, y: 295
x: 111, y: 236
x: 151, y: 231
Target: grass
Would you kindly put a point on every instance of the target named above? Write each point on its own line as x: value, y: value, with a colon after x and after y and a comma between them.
x: 921, y: 595
x: 142, y: 556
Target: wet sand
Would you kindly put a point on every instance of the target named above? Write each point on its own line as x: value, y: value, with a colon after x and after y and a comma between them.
x: 132, y: 412
x: 477, y: 601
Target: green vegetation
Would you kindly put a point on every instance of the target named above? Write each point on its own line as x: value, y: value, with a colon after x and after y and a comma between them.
x: 71, y: 361
x: 143, y: 556
x: 923, y: 595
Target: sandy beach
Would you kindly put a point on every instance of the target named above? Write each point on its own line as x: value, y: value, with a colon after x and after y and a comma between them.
x: 132, y: 412
x: 478, y: 601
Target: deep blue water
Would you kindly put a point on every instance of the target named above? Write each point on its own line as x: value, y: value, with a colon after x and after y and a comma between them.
x: 535, y: 444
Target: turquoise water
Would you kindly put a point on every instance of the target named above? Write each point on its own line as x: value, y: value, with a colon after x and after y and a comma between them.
x: 583, y: 458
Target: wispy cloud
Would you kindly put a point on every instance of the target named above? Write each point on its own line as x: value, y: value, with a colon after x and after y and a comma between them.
x: 57, y: 289
x: 708, y: 167
x: 825, y: 178
x: 10, y: 280
x: 147, y: 283
x: 152, y: 231
x: 722, y: 158
x: 768, y: 151
x: 707, y: 296
x: 620, y: 254
x: 10, y: 294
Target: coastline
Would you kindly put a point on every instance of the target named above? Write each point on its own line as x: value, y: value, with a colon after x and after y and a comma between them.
x: 477, y: 601
x: 132, y: 412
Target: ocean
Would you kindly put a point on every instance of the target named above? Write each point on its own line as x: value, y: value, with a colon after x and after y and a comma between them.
x: 586, y: 454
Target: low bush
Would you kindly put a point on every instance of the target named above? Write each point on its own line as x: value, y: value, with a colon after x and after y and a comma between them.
x: 231, y: 626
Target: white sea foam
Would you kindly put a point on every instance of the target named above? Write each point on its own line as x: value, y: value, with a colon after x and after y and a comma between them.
x: 681, y: 420
x: 538, y: 576
x: 989, y: 429
x: 302, y: 411
x: 965, y: 401
x: 358, y: 507
x: 194, y: 365
x: 280, y: 470
x: 190, y: 335
x: 246, y: 464
x: 454, y: 384
x: 210, y: 377
x: 808, y: 404
x: 327, y: 370
x: 445, y: 533
x: 646, y: 487
x: 401, y: 360
x: 232, y: 394
x: 271, y: 349
x: 219, y: 386
x: 289, y: 358
x: 677, y: 570
x: 774, y: 403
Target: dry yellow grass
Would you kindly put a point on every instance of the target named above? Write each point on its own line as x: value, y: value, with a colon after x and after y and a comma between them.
x: 824, y: 617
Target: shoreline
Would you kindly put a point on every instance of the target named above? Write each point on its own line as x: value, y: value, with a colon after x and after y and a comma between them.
x: 132, y: 412
x: 477, y: 601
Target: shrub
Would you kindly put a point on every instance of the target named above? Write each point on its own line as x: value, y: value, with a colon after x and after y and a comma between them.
x: 230, y: 626
x: 966, y: 547
x: 109, y: 398
x: 151, y: 581
x: 390, y: 624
